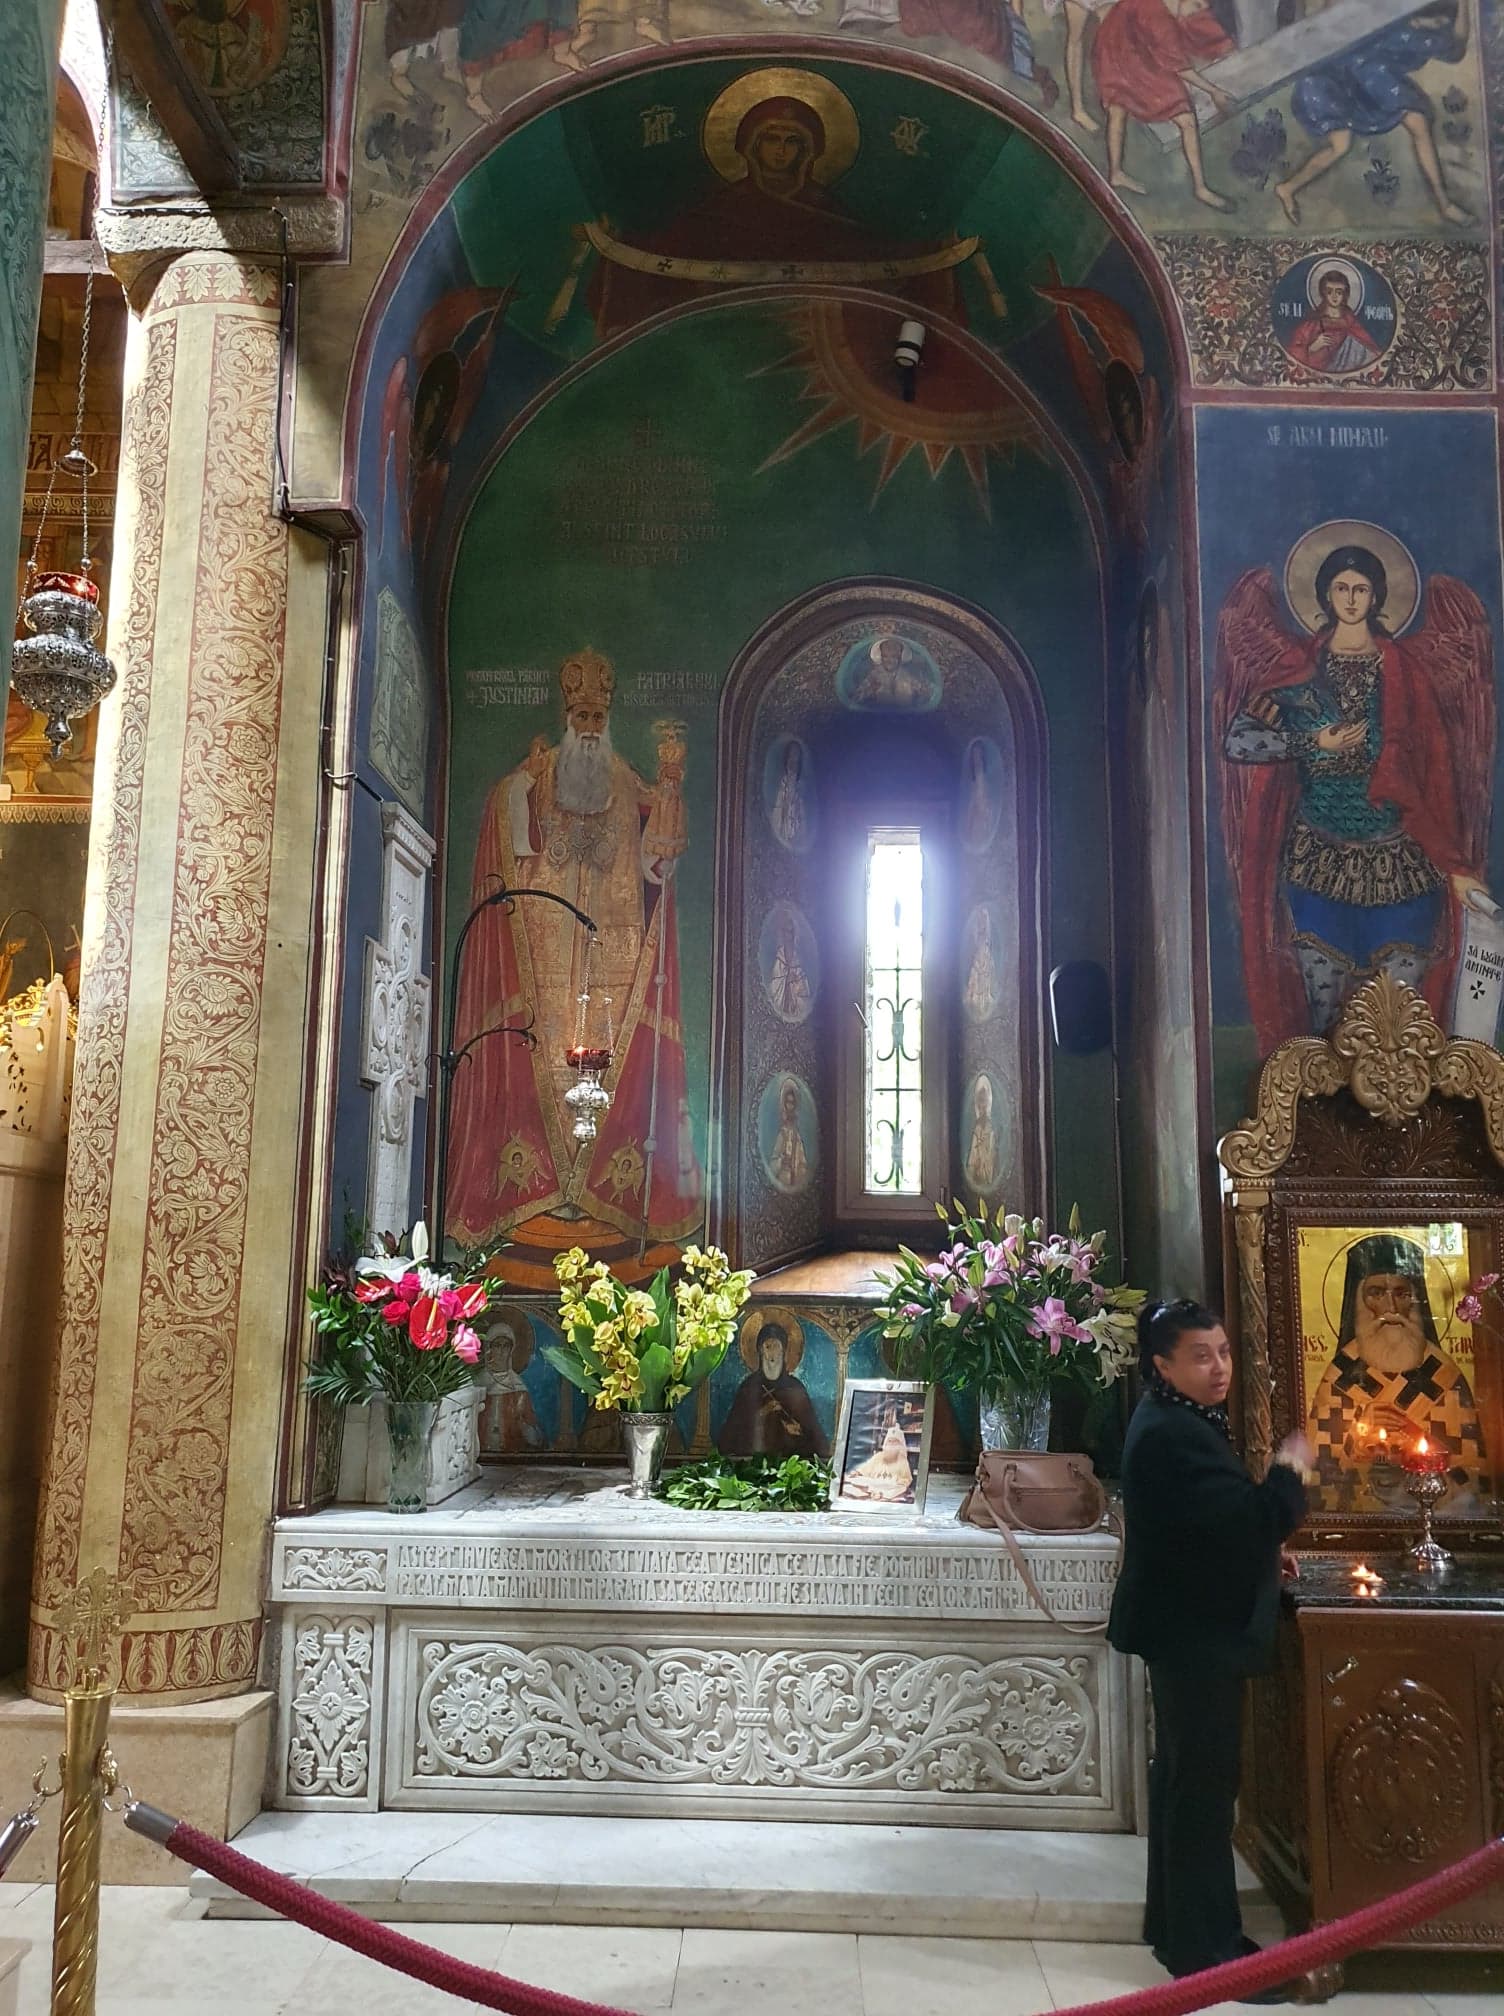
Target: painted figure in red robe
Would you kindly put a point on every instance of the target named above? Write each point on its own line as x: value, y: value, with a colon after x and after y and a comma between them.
x: 1333, y: 340
x: 578, y: 821
x: 1357, y: 772
x: 1146, y: 55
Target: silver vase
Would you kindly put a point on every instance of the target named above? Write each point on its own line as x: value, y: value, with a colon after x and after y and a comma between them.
x: 647, y: 1437
x: 1016, y: 1417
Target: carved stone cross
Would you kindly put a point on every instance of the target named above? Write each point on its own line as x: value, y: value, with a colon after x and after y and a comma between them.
x: 394, y: 1044
x: 94, y: 1613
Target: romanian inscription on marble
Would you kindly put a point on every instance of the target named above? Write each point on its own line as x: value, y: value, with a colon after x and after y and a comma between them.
x: 858, y: 1580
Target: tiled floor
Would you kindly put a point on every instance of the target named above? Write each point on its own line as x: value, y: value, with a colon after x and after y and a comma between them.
x: 159, y: 1958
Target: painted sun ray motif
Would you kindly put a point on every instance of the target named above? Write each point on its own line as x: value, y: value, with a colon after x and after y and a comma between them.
x: 830, y: 416
x: 844, y: 391
x: 896, y: 452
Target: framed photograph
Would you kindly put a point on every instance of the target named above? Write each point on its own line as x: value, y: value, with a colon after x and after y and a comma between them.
x: 1385, y: 1358
x: 881, y: 1460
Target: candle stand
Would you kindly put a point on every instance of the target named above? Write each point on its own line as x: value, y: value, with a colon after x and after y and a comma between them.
x: 1426, y: 1486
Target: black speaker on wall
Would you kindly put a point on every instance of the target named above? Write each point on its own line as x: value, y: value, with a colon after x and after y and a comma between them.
x: 1081, y: 1007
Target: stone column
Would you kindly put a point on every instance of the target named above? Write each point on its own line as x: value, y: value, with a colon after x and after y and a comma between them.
x: 181, y: 1203
x: 28, y: 93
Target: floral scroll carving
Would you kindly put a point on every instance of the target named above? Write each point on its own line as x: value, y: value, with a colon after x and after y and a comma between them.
x: 95, y: 1119
x: 1399, y: 1776
x: 198, y: 1186
x: 358, y: 1568
x: 329, y: 1747
x: 1390, y: 1054
x: 788, y: 1720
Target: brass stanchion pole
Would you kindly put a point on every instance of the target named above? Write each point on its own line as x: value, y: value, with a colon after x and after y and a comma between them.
x: 95, y: 1610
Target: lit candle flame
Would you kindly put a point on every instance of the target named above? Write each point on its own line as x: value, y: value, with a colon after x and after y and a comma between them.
x: 1422, y: 1445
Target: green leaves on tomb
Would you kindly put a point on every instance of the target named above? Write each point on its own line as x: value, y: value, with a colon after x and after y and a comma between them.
x: 749, y: 1484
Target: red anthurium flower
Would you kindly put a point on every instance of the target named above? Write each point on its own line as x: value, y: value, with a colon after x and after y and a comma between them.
x: 473, y: 1297
x: 427, y: 1325
x: 374, y: 1290
x: 397, y: 1312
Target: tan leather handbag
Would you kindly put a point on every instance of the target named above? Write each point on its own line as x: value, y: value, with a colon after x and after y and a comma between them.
x: 1023, y: 1491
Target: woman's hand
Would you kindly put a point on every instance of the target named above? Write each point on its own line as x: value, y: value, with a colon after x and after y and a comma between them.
x: 1296, y: 1452
x: 1289, y: 1566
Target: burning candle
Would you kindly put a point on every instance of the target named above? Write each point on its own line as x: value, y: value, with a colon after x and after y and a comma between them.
x: 1366, y: 1582
x: 1426, y: 1459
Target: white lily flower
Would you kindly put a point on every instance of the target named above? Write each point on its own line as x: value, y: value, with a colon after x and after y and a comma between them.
x: 390, y: 1269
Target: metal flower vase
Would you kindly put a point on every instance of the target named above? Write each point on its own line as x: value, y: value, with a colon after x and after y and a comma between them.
x: 647, y: 1438
x: 409, y: 1428
x: 1016, y: 1417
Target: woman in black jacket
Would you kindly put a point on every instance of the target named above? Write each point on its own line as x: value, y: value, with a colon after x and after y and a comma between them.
x: 1198, y: 1599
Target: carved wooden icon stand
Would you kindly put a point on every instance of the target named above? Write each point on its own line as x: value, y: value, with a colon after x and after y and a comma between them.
x: 1375, y: 1751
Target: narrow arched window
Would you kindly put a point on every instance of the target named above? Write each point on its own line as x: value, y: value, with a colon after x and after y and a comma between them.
x: 878, y: 1016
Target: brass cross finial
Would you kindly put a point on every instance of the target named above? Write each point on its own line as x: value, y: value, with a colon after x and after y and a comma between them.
x: 94, y: 1614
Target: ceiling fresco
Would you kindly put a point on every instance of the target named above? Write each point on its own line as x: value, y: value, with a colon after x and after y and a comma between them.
x: 660, y: 194
x: 1213, y: 113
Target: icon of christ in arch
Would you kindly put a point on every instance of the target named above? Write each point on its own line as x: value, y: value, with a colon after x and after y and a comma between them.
x: 1357, y: 770
x: 576, y: 820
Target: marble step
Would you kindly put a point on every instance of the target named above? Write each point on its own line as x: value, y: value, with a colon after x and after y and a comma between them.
x: 742, y: 1875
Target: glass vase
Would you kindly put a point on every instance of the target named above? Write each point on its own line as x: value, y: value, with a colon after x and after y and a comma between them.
x: 647, y: 1437
x: 1016, y: 1417
x: 409, y: 1429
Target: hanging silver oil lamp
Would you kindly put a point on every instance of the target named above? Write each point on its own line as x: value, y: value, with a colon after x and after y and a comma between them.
x: 587, y: 1098
x: 59, y: 669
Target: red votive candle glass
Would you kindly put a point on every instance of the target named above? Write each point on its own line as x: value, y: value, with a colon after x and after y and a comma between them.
x: 1426, y: 1458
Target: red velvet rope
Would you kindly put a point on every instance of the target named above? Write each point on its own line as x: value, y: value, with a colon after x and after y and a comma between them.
x: 1303, y: 1955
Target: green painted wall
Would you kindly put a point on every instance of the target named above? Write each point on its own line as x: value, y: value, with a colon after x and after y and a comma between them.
x: 537, y: 577
x: 28, y: 86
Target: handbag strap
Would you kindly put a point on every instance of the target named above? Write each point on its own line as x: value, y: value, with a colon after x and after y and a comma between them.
x: 980, y: 1502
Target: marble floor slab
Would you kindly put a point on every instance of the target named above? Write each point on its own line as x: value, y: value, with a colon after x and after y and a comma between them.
x: 996, y: 1884
x: 160, y: 1956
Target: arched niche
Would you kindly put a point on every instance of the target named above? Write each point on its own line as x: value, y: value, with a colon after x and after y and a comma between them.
x: 500, y: 223
x: 864, y: 704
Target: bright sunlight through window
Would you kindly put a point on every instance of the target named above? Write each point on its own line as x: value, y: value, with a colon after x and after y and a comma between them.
x: 893, y: 1011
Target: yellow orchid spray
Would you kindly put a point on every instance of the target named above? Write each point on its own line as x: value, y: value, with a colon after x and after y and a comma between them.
x: 645, y: 1349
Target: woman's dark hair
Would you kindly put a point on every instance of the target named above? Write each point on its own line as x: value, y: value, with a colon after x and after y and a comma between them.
x: 1353, y: 560
x: 1161, y: 1325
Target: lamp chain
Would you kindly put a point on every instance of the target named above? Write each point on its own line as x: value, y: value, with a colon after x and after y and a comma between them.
x: 75, y: 462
